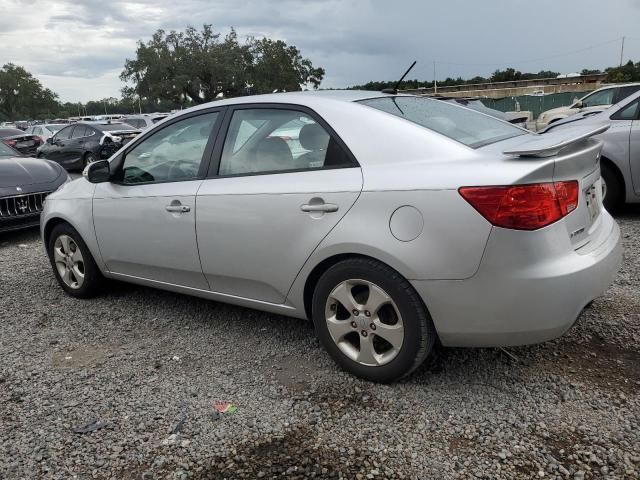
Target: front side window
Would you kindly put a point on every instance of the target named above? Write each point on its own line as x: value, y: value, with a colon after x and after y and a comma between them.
x: 170, y: 154
x: 275, y: 140
x: 471, y: 128
x: 603, y: 97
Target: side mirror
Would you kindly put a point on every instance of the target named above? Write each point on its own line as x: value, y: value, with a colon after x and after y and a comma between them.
x: 50, y: 140
x: 578, y: 104
x: 97, y: 172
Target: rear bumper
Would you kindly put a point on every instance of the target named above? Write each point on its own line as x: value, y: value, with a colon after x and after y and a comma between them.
x: 530, y: 287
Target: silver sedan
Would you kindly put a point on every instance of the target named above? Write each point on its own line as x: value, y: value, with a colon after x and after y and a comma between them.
x: 390, y: 221
x: 621, y: 151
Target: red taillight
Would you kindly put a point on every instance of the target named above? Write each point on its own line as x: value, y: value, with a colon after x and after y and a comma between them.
x: 11, y: 143
x: 524, y: 207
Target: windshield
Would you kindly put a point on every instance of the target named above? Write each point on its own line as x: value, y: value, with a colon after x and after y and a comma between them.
x: 55, y: 128
x: 6, y: 151
x: 463, y: 125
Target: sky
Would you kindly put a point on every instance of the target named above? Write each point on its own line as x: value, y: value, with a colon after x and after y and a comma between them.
x: 77, y: 48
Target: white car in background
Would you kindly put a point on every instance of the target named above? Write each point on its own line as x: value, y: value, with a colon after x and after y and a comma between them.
x: 45, y: 131
x: 603, y: 97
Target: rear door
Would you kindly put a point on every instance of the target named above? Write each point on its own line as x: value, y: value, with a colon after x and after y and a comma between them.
x: 283, y: 181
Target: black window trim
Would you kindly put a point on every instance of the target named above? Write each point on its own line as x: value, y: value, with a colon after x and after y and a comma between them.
x: 214, y: 167
x: 117, y: 162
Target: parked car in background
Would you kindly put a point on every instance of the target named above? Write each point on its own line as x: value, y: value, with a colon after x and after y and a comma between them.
x: 605, y: 96
x: 25, y: 143
x: 24, y: 184
x: 516, y: 118
x: 620, y: 162
x: 22, y: 125
x: 141, y: 122
x: 45, y: 131
x: 77, y: 145
x: 395, y: 220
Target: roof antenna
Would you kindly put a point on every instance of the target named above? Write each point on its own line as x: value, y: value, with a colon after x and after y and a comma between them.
x: 394, y: 90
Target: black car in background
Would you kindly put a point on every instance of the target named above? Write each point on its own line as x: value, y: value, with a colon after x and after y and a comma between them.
x: 77, y: 145
x: 24, y: 184
x: 25, y: 143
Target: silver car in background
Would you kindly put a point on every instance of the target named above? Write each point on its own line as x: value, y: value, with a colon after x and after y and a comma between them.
x: 389, y: 220
x: 620, y: 161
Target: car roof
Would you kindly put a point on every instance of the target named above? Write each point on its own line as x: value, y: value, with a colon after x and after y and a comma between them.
x: 306, y: 98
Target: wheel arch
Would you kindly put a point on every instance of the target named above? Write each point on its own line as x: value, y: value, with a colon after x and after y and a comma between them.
x: 318, y: 270
x: 616, y: 170
x: 50, y: 225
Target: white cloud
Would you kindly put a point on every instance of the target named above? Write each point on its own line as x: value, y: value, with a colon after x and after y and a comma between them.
x: 78, y: 47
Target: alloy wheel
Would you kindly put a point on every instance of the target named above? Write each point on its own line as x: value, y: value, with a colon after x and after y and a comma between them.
x: 69, y: 261
x: 364, y: 322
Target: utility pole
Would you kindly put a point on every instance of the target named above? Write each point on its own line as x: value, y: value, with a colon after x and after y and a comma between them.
x: 622, y: 50
x: 435, y: 82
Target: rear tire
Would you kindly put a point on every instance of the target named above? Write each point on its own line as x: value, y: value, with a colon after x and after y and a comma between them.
x: 72, y: 263
x: 369, y: 344
x: 612, y: 189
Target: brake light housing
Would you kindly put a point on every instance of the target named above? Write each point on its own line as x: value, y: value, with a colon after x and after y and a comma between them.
x: 524, y: 207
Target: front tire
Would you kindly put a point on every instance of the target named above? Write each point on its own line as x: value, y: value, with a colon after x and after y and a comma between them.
x: 72, y: 263
x: 371, y: 320
x: 612, y: 188
x: 89, y: 158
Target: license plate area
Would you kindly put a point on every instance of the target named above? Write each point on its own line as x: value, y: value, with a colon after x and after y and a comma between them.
x: 28, y: 143
x: 593, y: 199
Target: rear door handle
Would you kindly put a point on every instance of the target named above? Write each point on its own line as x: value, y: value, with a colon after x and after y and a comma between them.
x: 177, y: 208
x: 321, y: 207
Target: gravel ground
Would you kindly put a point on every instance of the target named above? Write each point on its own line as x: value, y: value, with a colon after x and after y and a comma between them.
x: 148, y: 366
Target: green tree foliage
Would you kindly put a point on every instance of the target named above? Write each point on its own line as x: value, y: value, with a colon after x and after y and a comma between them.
x: 23, y: 96
x: 629, y: 72
x: 198, y: 65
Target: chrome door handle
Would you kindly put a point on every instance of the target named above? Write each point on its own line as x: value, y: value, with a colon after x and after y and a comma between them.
x: 321, y: 207
x: 178, y: 208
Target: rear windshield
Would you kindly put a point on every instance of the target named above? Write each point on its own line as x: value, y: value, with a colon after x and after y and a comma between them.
x: 463, y: 125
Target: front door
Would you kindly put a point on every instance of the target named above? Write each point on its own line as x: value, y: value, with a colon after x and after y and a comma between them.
x: 634, y: 154
x: 145, y: 219
x: 284, y: 181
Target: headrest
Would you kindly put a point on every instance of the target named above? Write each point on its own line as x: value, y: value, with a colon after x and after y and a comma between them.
x: 313, y: 137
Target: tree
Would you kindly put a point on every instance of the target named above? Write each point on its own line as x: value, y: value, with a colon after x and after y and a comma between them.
x: 628, y: 72
x: 197, y: 65
x: 277, y: 66
x: 23, y: 96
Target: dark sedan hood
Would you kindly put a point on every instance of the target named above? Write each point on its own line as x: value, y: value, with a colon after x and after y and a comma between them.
x: 19, y: 171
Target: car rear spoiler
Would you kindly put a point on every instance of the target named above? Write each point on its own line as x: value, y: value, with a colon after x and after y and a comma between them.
x: 548, y: 144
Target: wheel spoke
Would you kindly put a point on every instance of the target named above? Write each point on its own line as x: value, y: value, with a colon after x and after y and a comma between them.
x: 394, y: 334
x: 377, y: 298
x: 77, y: 273
x: 76, y: 256
x: 367, y: 355
x: 64, y: 242
x: 58, y: 256
x: 338, y: 328
x: 342, y: 293
x: 66, y: 276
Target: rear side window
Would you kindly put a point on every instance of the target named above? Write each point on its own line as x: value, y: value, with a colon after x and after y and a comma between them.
x: 463, y: 125
x: 630, y: 112
x: 276, y: 140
